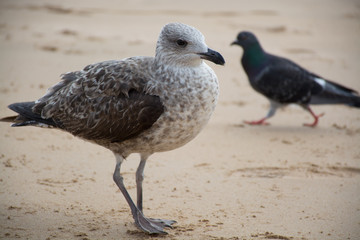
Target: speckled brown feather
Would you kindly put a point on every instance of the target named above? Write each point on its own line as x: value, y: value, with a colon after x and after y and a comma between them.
x: 103, y: 102
x: 136, y: 105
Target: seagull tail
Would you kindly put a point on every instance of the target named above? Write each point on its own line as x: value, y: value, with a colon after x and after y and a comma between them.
x: 26, y: 116
x: 334, y: 93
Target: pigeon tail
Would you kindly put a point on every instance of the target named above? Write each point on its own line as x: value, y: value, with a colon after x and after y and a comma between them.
x: 27, y: 117
x: 354, y: 102
x: 334, y: 93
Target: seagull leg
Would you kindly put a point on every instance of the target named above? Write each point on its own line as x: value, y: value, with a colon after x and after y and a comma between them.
x: 139, y: 180
x: 151, y: 226
x: 316, y: 117
x: 273, y: 107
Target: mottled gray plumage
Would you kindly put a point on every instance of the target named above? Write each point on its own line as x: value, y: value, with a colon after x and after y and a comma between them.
x: 135, y: 105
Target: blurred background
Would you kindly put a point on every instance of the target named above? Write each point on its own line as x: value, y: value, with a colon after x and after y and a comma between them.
x: 233, y: 181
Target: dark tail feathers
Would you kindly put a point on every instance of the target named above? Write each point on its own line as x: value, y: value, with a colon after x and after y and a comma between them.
x: 355, y: 102
x: 334, y: 93
x: 26, y: 116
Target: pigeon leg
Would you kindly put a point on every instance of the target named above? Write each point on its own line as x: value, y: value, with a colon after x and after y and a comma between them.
x: 272, y: 111
x: 149, y: 225
x: 259, y: 122
x: 316, y: 117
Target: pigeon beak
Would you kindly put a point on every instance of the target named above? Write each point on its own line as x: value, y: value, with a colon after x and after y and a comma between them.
x: 212, y: 56
x: 234, y: 43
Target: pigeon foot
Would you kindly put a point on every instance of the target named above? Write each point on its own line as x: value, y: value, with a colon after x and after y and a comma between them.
x: 259, y: 122
x: 316, y: 120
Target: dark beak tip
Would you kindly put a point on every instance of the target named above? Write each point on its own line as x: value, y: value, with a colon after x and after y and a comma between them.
x: 219, y: 60
x: 213, y: 56
x: 222, y: 62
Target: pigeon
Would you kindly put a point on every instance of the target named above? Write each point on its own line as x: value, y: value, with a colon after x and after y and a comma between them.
x: 135, y: 105
x: 284, y: 82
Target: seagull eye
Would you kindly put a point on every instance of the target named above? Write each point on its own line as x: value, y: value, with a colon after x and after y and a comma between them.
x: 181, y: 43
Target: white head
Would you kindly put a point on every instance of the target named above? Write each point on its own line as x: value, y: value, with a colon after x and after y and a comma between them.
x: 181, y: 44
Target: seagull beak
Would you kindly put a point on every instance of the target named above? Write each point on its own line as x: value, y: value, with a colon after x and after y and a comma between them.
x: 212, y: 56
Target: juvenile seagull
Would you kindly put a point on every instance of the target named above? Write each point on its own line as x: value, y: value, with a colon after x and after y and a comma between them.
x: 283, y: 81
x: 135, y: 105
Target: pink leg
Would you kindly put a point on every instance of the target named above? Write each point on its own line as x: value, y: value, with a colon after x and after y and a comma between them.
x: 271, y: 112
x: 259, y: 122
x: 316, y: 117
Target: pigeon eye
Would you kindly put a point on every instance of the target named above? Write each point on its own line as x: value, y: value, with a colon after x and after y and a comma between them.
x: 243, y: 37
x: 181, y: 43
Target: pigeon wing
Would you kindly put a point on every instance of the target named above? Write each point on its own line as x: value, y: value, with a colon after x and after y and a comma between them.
x: 285, y: 82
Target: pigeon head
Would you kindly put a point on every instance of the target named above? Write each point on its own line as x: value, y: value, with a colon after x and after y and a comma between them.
x: 246, y: 40
x: 180, y: 44
x: 253, y: 55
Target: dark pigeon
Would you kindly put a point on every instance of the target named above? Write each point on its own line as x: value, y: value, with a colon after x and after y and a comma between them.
x: 283, y: 81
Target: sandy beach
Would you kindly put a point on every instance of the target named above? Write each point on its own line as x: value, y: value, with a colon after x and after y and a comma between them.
x: 233, y: 181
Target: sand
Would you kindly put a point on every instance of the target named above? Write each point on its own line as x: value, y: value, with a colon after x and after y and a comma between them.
x: 234, y: 181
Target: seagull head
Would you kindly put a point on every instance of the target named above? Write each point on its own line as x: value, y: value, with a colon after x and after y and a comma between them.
x: 180, y: 44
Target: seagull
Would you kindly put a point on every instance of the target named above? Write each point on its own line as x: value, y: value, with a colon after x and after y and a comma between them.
x: 134, y: 105
x: 283, y: 81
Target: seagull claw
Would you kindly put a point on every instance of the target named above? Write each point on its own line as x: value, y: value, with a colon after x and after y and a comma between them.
x: 164, y: 222
x: 151, y: 225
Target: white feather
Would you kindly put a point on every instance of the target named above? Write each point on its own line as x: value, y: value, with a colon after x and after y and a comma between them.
x: 320, y: 81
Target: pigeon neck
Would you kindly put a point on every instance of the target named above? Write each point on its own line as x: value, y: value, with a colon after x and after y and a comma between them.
x: 253, y: 57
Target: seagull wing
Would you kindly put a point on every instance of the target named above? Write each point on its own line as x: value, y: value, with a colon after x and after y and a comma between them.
x: 105, y: 101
